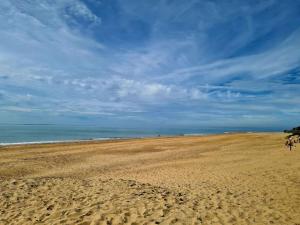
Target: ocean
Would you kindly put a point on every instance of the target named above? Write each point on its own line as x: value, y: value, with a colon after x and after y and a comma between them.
x: 40, y: 133
x: 45, y: 133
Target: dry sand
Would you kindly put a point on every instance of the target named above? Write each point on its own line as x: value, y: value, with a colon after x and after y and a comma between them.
x: 220, y: 179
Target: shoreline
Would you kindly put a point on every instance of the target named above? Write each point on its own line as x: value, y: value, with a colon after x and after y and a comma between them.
x: 70, y: 141
x: 113, y: 139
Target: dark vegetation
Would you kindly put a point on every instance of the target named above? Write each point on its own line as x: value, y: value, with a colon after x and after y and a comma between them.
x: 294, y: 131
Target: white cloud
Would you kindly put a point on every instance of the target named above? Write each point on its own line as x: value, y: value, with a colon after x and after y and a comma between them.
x: 50, y: 61
x: 79, y: 10
x: 278, y: 60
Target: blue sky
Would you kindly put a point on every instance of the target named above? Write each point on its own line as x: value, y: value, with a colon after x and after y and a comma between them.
x: 150, y: 63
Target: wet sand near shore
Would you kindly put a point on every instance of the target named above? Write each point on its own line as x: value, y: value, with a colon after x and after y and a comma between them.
x: 248, y: 178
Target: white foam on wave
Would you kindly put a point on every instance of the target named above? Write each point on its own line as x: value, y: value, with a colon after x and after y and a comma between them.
x: 95, y: 139
x: 195, y: 134
x: 53, y: 142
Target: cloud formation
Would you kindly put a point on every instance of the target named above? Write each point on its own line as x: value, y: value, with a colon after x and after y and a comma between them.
x: 200, y: 63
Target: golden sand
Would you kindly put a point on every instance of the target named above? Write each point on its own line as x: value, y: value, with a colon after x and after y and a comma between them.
x: 220, y: 179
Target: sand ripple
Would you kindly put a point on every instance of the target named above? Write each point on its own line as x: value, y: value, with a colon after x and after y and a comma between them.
x: 229, y: 179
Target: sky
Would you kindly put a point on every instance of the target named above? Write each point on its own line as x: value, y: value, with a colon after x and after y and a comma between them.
x: 151, y: 63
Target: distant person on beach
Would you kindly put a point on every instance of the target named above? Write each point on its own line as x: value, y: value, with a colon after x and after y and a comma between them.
x: 289, y: 143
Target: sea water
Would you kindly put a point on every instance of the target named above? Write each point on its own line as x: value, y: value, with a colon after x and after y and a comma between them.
x: 25, y: 133
x: 43, y: 133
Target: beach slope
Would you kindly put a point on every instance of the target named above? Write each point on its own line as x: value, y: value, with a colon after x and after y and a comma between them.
x: 218, y: 179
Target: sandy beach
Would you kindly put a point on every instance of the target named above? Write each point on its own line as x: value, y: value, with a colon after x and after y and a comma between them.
x: 248, y: 178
